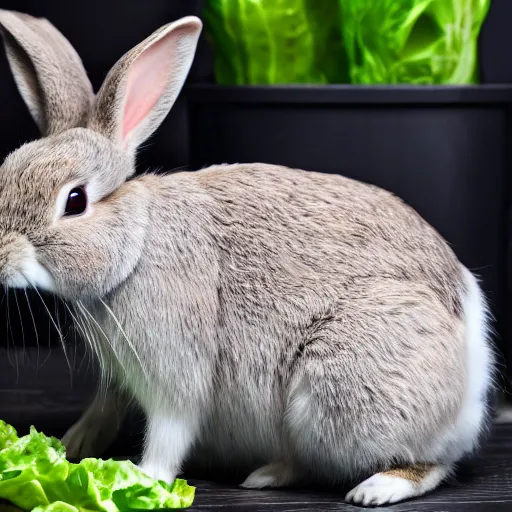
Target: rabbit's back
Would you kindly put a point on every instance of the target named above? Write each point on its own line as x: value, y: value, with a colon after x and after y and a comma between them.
x: 292, y: 230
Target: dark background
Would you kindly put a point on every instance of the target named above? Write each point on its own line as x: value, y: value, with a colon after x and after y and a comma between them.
x: 48, y: 394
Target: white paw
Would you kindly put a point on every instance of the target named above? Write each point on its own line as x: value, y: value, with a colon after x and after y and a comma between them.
x: 271, y: 475
x: 381, y: 489
x: 158, y: 472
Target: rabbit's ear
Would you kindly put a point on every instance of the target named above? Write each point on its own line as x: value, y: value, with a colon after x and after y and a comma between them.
x: 143, y: 85
x: 48, y: 72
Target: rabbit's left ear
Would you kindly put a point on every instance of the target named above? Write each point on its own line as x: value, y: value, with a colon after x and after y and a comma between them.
x: 48, y: 72
x: 143, y: 85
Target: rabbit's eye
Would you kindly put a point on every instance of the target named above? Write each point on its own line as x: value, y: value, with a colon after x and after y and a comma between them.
x: 76, y: 203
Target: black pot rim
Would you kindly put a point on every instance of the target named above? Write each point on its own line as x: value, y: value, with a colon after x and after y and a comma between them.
x: 351, y: 94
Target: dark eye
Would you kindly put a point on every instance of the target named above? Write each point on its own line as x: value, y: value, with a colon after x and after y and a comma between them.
x: 77, y: 202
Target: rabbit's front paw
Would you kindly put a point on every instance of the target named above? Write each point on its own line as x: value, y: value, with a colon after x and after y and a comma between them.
x: 83, y: 439
x: 158, y: 472
x: 95, y: 431
x: 271, y: 475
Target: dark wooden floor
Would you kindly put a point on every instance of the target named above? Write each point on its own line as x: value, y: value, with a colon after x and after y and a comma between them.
x: 484, y: 484
x: 42, y: 394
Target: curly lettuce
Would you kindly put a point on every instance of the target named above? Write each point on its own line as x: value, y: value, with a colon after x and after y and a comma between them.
x: 260, y: 42
x: 412, y: 41
x: 35, y: 475
x: 269, y: 42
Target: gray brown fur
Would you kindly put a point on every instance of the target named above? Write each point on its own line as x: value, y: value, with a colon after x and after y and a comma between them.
x: 277, y: 315
x: 57, y: 83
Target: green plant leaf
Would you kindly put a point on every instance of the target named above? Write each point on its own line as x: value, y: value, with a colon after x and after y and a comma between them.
x: 275, y: 41
x: 412, y: 41
x: 34, y: 474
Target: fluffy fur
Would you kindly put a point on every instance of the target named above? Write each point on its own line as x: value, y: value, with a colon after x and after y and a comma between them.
x: 299, y: 325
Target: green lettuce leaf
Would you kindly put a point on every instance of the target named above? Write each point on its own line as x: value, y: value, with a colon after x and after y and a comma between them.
x: 8, y: 435
x: 57, y: 506
x: 412, y: 41
x: 340, y: 41
x: 275, y: 41
x: 35, y: 475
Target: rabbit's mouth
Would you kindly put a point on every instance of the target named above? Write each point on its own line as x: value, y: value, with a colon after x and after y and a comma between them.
x: 20, y: 268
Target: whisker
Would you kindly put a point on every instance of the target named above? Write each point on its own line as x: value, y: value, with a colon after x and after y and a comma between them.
x: 84, y: 309
x: 1, y: 304
x: 75, y: 343
x: 61, y: 337
x: 11, y: 337
x: 49, y: 343
x: 94, y: 354
x: 73, y: 317
x: 84, y: 356
x: 87, y: 336
x: 75, y: 350
x: 35, y: 329
x: 21, y: 325
x: 56, y: 316
x: 6, y: 290
x: 130, y: 345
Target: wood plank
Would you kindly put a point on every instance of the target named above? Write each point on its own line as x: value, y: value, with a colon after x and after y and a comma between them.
x: 46, y: 398
x: 484, y: 484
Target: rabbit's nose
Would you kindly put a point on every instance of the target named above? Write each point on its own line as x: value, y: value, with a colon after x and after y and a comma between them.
x: 13, y: 250
x: 19, y: 267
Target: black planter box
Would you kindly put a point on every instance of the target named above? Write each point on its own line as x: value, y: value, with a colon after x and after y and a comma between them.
x: 444, y: 150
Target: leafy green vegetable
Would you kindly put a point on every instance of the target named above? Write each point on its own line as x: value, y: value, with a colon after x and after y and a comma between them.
x: 35, y: 475
x: 339, y: 41
x: 57, y: 506
x: 275, y: 41
x: 8, y: 435
x: 412, y: 41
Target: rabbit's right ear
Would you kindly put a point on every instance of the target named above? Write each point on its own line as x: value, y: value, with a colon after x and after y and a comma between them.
x: 48, y: 72
x: 142, y: 86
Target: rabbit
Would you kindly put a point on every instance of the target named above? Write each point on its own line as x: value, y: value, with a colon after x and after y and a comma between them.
x: 306, y: 327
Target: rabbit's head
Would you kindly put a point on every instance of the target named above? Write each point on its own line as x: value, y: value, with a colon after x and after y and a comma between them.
x: 71, y: 221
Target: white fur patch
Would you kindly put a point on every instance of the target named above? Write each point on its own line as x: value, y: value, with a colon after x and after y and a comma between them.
x: 271, y: 475
x: 462, y: 438
x: 31, y: 274
x: 168, y: 441
x: 158, y: 472
x: 381, y: 489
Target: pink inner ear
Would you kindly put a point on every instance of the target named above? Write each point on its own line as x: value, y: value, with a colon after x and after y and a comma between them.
x: 147, y: 81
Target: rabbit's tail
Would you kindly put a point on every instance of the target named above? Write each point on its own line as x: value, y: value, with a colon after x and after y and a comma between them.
x: 474, y: 417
